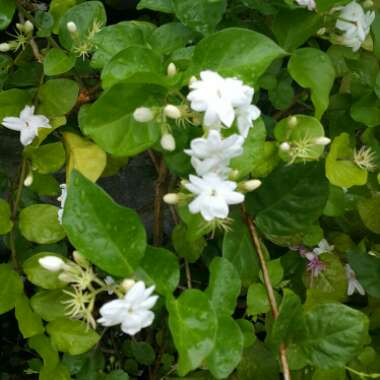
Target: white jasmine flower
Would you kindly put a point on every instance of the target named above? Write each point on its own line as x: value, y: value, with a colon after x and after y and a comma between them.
x: 213, y: 196
x: 218, y: 97
x: 323, y: 247
x: 167, y: 142
x: 132, y: 312
x: 52, y: 263
x: 245, y: 115
x: 213, y: 153
x: 353, y: 283
x: 355, y: 25
x: 309, y: 4
x: 172, y: 111
x: 62, y: 199
x: 27, y: 124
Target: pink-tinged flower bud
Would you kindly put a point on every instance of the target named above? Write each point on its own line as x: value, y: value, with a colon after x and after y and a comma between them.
x: 168, y: 142
x: 172, y: 70
x: 285, y: 146
x: 143, y: 114
x: 322, y: 141
x: 71, y: 27
x: 52, y: 263
x: 251, y: 185
x: 171, y: 198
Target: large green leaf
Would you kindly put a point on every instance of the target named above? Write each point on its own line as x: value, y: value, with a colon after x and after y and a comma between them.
x: 58, y: 62
x: 369, y: 211
x: 48, y: 158
x: 72, y: 336
x: 13, y: 101
x: 366, y: 110
x: 290, y: 200
x: 11, y: 288
x: 7, y: 10
x: 236, y: 52
x: 43, y: 345
x: 110, y: 236
x: 312, y: 68
x: 228, y: 349
x: 110, y: 123
x: 48, y: 304
x: 224, y: 285
x: 193, y: 325
x: 200, y: 15
x: 333, y: 335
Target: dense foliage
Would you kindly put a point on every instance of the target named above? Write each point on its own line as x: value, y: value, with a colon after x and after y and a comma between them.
x: 261, y: 258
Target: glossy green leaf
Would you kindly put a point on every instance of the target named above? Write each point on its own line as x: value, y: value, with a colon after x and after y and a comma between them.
x: 39, y: 224
x: 228, y: 349
x: 290, y: 199
x: 110, y: 123
x: 13, y: 101
x: 11, y: 288
x: 48, y: 304
x: 43, y: 345
x: 312, y: 68
x: 224, y: 286
x: 48, y: 158
x: 7, y: 10
x: 257, y: 299
x: 72, y: 336
x: 248, y: 330
x: 160, y: 267
x: 6, y: 223
x: 57, y: 62
x: 60, y: 372
x: 29, y: 323
x: 236, y: 52
x: 38, y: 275
x: 110, y: 236
x: 193, y: 325
x: 45, y: 184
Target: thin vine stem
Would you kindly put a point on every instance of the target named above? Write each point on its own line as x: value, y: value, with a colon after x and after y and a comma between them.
x: 363, y: 375
x: 268, y: 286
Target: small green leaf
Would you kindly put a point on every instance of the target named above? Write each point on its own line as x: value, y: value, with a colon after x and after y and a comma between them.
x: 143, y: 352
x: 275, y: 271
x: 57, y: 62
x: 6, y: 223
x: 312, y: 68
x: 13, y: 101
x: 193, y: 325
x: 7, y: 10
x: 110, y: 236
x: 224, y: 286
x: 369, y: 211
x: 165, y: 6
x: 48, y: 158
x: 11, y: 288
x: 72, y: 336
x: 39, y: 224
x: 48, y: 304
x: 248, y: 330
x: 366, y: 110
x: 257, y: 299
x: 43, y: 345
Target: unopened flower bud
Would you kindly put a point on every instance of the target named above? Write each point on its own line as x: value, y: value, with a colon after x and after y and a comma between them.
x: 28, y: 27
x: 20, y: 26
x: 323, y: 140
x: 80, y: 259
x: 66, y: 277
x: 128, y: 283
x: 4, y: 47
x: 171, y: 198
x: 172, y: 111
x: 71, y: 27
x: 172, y: 70
x: 52, y: 263
x: 292, y: 121
x: 251, y: 185
x: 285, y: 146
x: 234, y: 174
x: 143, y: 114
x: 28, y: 180
x: 368, y: 4
x: 167, y: 142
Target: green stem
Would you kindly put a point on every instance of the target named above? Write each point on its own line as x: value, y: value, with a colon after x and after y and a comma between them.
x: 363, y: 375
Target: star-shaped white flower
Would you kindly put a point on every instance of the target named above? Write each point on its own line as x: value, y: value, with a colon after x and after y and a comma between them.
x: 353, y: 283
x: 213, y: 153
x: 245, y: 116
x: 133, y: 312
x: 213, y: 196
x: 27, y: 124
x: 309, y: 4
x: 323, y: 247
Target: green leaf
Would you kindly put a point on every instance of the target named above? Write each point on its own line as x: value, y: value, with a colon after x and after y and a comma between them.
x: 57, y: 62
x: 366, y: 110
x: 43, y: 345
x: 110, y: 236
x: 333, y: 335
x: 117, y: 375
x: 57, y: 97
x: 257, y: 299
x: 340, y: 167
x: 275, y: 271
x: 11, y: 288
x: 312, y: 68
x: 208, y: 14
x: 45, y: 184
x: 13, y: 101
x: 248, y: 330
x: 6, y: 223
x: 224, y: 286
x: 239, y: 250
x: 48, y: 304
x: 369, y: 211
x: 143, y: 352
x: 329, y: 374
x: 161, y: 268
x: 60, y: 372
x: 325, y: 5
x: 39, y: 224
x: 72, y: 336
x: 38, y: 275
x: 292, y: 28
x: 290, y: 200
x: 228, y: 349
x: 164, y: 6
x: 236, y: 52
x: 193, y: 325
x: 29, y: 323
x: 83, y: 156
x: 57, y: 9
x: 110, y: 123
x: 48, y: 158
x: 85, y: 16
x: 367, y: 270
x: 7, y: 10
